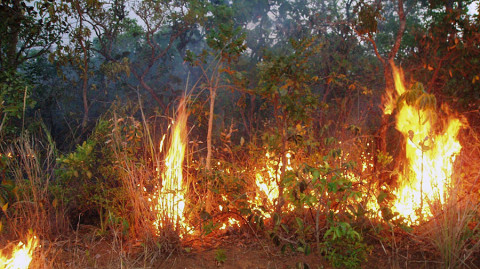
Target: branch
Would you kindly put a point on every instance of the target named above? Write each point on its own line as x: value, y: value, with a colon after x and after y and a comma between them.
x: 369, y: 38
x: 148, y: 88
x: 401, y: 30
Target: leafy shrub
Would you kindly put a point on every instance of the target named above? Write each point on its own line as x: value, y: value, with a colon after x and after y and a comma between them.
x: 343, y: 246
x: 87, y: 179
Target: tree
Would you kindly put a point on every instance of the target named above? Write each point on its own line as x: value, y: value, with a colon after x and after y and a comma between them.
x: 445, y: 55
x: 28, y: 29
x: 284, y: 83
x: 163, y: 23
x: 227, y: 43
x: 366, y: 27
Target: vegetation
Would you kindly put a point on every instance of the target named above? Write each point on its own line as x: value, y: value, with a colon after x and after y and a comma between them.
x: 290, y: 145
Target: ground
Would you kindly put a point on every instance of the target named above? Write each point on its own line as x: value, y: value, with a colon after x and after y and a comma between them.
x: 223, y: 250
x: 238, y: 255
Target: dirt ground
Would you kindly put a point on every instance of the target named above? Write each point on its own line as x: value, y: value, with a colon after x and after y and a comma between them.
x: 238, y: 255
x: 224, y: 251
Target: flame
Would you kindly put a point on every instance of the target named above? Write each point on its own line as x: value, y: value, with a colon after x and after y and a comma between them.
x: 389, y: 99
x: 21, y: 256
x: 170, y: 201
x: 231, y: 222
x: 431, y: 147
x: 266, y: 181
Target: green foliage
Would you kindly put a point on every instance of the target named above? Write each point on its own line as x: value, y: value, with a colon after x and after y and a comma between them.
x: 14, y: 100
x: 298, y: 231
x: 78, y: 164
x: 368, y: 14
x: 384, y: 159
x: 88, y: 180
x: 418, y: 98
x: 284, y: 82
x: 220, y: 255
x: 227, y: 188
x: 325, y: 188
x: 29, y: 29
x: 343, y: 246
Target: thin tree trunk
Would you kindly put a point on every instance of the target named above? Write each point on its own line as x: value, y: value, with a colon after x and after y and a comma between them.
x: 85, y: 100
x: 387, y: 71
x: 283, y: 169
x: 84, y: 75
x: 213, y: 93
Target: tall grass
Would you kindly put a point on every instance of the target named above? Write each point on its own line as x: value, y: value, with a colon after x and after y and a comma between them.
x: 140, y: 164
x: 31, y: 210
x: 454, y: 230
x: 31, y: 168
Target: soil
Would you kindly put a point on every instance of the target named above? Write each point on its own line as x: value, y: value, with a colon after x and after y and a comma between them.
x: 234, y: 250
x: 237, y: 255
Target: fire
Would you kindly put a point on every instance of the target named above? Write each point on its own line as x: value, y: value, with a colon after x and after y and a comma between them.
x: 170, y: 201
x: 21, y: 255
x: 267, y: 181
x: 431, y: 146
x: 231, y: 222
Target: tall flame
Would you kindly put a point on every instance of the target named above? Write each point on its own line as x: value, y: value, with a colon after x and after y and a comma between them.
x: 21, y: 256
x: 431, y: 146
x: 171, y: 195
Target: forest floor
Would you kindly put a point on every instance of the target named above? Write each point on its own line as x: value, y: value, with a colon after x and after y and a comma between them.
x: 234, y: 250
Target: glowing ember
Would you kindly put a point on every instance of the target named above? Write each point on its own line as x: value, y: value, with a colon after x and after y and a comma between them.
x: 431, y: 147
x: 171, y: 195
x: 231, y: 222
x: 21, y: 255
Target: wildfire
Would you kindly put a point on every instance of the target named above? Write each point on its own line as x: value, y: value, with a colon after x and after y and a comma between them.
x: 170, y: 201
x: 21, y: 255
x: 267, y: 181
x: 431, y: 146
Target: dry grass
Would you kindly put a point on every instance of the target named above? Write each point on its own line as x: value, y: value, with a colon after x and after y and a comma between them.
x: 454, y: 230
x: 31, y: 168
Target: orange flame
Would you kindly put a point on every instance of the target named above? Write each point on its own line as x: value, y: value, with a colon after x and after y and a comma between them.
x: 266, y: 182
x: 170, y: 201
x: 431, y: 147
x: 21, y: 255
x: 390, y: 97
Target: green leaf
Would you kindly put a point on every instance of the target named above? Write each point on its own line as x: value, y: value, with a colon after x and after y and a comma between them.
x: 299, y: 223
x: 381, y: 196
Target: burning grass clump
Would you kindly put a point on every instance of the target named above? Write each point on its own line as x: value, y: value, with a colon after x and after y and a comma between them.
x: 454, y: 229
x: 30, y: 215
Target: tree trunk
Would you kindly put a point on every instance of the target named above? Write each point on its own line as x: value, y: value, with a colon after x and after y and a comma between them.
x: 13, y: 32
x: 213, y: 93
x: 283, y: 169
x: 85, y: 100
x: 85, y: 49
x: 382, y: 132
x: 387, y: 63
